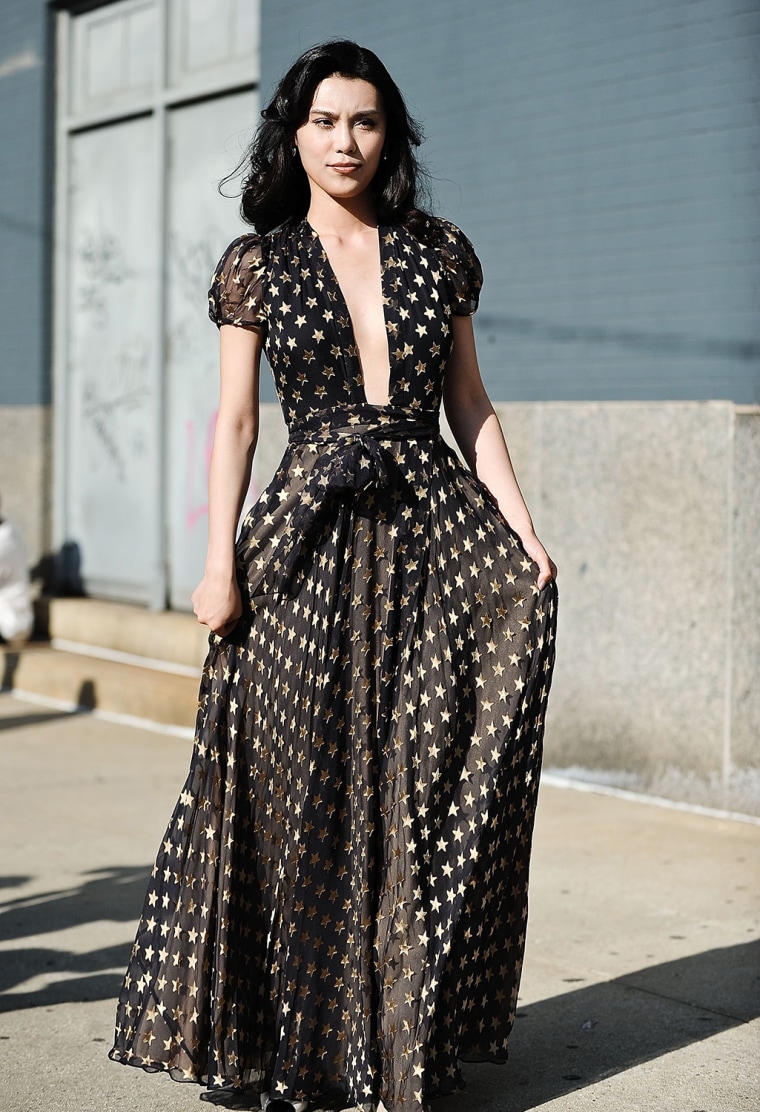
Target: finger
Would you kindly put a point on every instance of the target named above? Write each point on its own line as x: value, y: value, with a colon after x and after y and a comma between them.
x: 547, y: 575
x: 547, y: 571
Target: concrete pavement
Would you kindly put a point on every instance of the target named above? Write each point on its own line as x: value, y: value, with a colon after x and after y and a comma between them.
x: 641, y: 987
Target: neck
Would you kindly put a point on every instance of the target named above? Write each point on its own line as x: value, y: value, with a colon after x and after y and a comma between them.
x: 341, y: 218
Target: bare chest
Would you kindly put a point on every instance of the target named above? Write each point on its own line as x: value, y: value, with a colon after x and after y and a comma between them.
x: 358, y: 273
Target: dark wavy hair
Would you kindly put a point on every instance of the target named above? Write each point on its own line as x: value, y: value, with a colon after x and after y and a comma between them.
x: 276, y: 189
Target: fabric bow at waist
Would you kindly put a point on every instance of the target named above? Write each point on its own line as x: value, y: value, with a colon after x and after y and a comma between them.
x: 378, y: 422
x: 350, y: 458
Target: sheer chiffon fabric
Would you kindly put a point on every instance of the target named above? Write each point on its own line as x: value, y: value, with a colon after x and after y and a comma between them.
x: 337, y: 912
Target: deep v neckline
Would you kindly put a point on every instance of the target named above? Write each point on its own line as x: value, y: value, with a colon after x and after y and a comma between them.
x: 349, y: 327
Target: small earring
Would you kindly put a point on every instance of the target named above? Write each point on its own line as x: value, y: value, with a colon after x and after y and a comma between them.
x: 385, y: 156
x: 294, y: 150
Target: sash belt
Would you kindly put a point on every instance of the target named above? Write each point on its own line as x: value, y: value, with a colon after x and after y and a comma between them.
x: 353, y: 460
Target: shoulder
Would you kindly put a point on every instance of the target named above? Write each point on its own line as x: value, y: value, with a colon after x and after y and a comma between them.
x: 460, y: 261
x: 442, y: 235
x: 245, y: 251
x: 236, y: 294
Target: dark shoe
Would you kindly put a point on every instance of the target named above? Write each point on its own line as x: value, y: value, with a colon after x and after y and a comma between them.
x: 278, y: 1104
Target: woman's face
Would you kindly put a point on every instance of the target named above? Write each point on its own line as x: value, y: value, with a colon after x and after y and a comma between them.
x: 341, y: 142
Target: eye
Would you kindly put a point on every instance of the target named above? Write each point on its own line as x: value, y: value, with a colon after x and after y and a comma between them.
x: 322, y: 121
x: 368, y: 123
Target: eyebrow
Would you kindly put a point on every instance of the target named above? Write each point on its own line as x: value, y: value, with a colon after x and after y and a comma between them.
x: 334, y: 115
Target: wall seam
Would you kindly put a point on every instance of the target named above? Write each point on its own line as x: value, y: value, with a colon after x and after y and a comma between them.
x: 730, y: 521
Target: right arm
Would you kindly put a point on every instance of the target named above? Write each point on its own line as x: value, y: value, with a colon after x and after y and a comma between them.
x: 216, y: 599
x: 479, y: 435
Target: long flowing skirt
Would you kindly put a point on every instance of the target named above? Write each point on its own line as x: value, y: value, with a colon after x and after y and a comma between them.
x: 338, y: 909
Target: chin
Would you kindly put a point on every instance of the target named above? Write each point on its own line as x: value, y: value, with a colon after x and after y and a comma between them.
x: 350, y: 190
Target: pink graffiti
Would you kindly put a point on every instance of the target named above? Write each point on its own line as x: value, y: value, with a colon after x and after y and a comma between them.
x: 195, y: 510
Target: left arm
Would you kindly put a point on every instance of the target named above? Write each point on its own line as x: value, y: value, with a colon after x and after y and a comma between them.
x: 477, y: 431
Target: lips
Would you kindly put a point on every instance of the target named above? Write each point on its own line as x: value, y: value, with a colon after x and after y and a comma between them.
x: 344, y: 167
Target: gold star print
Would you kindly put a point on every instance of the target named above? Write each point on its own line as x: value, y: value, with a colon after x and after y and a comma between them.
x: 368, y: 739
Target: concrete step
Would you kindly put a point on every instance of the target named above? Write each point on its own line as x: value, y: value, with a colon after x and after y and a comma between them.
x: 83, y: 680
x: 160, y: 636
x: 113, y: 657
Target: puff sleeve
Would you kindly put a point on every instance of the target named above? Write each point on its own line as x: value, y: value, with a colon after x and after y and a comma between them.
x: 236, y: 295
x: 465, y: 274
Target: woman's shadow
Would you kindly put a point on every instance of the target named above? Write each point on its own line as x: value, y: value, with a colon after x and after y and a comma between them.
x: 36, y: 975
x: 573, y: 1040
x: 559, y: 1044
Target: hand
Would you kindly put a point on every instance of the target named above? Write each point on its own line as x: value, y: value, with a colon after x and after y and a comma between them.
x: 547, y: 569
x: 217, y: 603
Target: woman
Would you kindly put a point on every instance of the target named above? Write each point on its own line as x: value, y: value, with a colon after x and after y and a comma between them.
x: 338, y: 910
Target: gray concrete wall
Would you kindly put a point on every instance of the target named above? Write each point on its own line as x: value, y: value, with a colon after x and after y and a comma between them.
x: 745, y: 639
x: 652, y: 512
x: 604, y: 158
x: 25, y: 441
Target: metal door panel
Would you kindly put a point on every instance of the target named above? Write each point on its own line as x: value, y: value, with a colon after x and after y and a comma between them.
x: 112, y: 472
x: 213, y: 39
x: 115, y: 56
x: 205, y: 142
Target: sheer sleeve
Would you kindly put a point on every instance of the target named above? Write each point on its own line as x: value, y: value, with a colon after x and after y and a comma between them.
x: 464, y: 269
x: 237, y: 288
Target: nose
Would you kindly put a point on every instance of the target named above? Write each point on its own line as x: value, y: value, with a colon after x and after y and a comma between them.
x: 344, y: 138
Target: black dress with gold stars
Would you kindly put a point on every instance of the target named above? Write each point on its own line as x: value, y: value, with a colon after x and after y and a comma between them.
x: 337, y: 913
